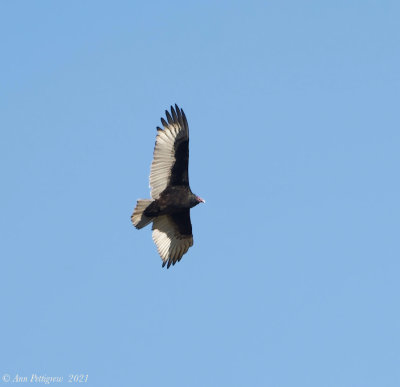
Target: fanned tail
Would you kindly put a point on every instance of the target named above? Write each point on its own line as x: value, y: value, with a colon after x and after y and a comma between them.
x: 138, y: 218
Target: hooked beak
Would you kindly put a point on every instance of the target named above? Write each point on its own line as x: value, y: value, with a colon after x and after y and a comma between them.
x: 200, y: 199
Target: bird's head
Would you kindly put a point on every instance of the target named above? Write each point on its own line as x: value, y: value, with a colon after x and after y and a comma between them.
x: 199, y: 199
x: 195, y: 200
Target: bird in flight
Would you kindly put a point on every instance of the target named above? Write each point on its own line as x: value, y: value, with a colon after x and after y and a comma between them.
x: 171, y: 196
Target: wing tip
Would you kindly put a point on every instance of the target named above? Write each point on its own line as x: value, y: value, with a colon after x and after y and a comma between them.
x: 164, y: 123
x: 169, y: 118
x: 176, y: 116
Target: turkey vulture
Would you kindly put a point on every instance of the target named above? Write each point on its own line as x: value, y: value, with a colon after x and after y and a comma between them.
x: 172, y: 198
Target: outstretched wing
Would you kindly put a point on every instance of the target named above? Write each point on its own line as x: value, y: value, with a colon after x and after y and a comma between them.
x: 171, y: 153
x: 172, y: 235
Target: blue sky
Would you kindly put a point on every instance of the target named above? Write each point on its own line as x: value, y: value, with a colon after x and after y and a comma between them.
x: 293, y: 279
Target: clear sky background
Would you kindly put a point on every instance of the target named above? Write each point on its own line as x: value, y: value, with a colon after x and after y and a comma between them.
x: 293, y: 107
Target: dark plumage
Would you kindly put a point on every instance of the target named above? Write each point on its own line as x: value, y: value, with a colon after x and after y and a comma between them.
x: 172, y: 198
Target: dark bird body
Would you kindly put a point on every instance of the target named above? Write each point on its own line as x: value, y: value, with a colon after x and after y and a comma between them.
x: 172, y: 198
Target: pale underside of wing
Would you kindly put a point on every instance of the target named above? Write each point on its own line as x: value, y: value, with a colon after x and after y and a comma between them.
x: 171, y: 244
x: 175, y: 130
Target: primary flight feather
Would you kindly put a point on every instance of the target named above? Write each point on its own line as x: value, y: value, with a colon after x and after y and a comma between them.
x: 172, y: 198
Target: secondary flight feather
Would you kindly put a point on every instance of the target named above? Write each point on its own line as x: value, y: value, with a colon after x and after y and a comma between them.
x: 171, y: 196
